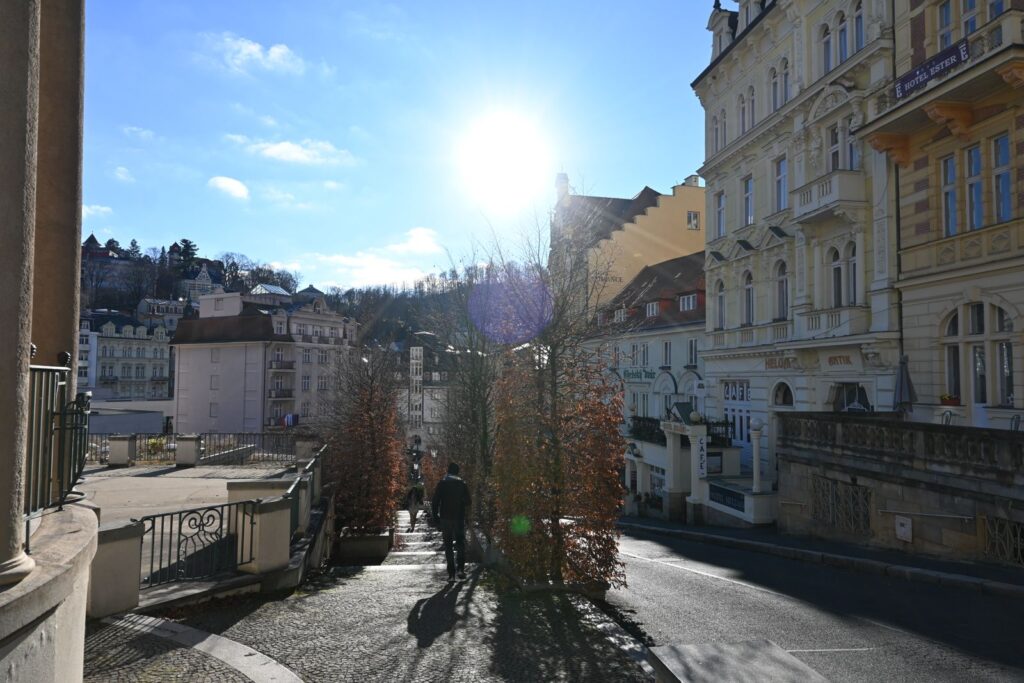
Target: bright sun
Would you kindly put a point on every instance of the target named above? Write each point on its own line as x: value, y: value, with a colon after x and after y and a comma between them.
x: 504, y: 162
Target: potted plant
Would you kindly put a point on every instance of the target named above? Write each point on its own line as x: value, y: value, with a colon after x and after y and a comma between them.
x: 949, y: 400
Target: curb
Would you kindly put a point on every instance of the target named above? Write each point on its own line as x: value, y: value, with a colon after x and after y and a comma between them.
x: 858, y: 564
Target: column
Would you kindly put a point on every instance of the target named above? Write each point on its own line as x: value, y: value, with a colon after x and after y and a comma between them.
x: 19, y: 77
x: 59, y: 183
x: 860, y: 271
x: 756, y: 425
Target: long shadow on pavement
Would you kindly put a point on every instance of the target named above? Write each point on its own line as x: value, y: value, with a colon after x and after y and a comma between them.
x: 434, y: 616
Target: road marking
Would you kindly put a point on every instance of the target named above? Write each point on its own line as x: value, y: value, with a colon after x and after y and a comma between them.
x: 708, y: 574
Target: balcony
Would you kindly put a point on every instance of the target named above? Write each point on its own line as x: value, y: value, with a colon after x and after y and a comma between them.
x: 280, y: 394
x: 646, y: 429
x: 830, y: 194
x: 834, y: 322
x: 282, y: 365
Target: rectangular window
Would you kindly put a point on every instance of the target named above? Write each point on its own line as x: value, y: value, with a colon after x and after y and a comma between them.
x: 214, y: 380
x: 781, y: 185
x: 214, y: 410
x: 643, y: 354
x: 945, y: 24
x: 975, y: 206
x: 977, y: 324
x: 620, y: 315
x: 834, y: 163
x: 970, y: 17
x: 844, y: 46
x: 693, y: 220
x: 321, y: 383
x: 218, y: 305
x: 666, y: 353
x: 826, y: 52
x: 652, y: 309
x: 643, y: 405
x: 688, y: 302
x: 1001, y: 178
x: 634, y: 403
x: 995, y: 8
x: 949, y: 204
x: 852, y: 147
x: 322, y: 357
x: 214, y: 355
x: 980, y: 375
x: 634, y: 358
x: 748, y: 200
x: 858, y: 31
x: 1005, y: 349
x: 720, y: 214
x: 691, y: 352
x: 307, y: 355
x: 305, y: 382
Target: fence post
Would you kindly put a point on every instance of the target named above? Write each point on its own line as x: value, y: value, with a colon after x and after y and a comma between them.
x: 114, y: 576
x: 305, y: 449
x: 271, y: 540
x: 188, y: 451
x: 122, y: 450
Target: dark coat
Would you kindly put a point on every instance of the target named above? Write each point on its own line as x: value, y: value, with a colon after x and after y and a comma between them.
x: 451, y: 499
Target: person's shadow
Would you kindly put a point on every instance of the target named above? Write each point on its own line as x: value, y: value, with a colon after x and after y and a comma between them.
x: 433, y: 616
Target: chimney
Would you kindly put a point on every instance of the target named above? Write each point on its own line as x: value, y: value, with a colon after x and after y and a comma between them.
x: 562, y: 185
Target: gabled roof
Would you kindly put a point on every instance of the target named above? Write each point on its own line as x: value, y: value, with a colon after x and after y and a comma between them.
x: 91, y: 241
x: 665, y: 280
x: 264, y: 288
x: 241, y: 328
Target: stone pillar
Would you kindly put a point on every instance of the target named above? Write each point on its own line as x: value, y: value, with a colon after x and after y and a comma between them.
x: 19, y: 104
x: 188, y: 450
x: 122, y: 450
x: 114, y: 587
x: 677, y: 482
x: 271, y: 537
x: 59, y: 183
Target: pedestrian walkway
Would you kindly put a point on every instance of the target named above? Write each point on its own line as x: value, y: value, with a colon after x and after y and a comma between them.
x: 767, y: 539
x: 399, y: 621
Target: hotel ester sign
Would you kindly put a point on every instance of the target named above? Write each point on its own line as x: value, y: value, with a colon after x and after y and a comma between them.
x: 920, y: 76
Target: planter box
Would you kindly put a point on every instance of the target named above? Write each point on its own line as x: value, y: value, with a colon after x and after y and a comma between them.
x: 353, y: 550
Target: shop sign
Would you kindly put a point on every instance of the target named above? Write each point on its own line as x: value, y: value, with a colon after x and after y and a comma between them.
x: 638, y: 374
x: 939, y: 65
x: 840, y: 361
x: 702, y: 456
x: 837, y: 361
x: 780, y: 363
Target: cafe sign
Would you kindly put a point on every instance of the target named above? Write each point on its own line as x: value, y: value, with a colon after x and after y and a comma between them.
x: 702, y: 456
x: 939, y: 65
x: 638, y: 374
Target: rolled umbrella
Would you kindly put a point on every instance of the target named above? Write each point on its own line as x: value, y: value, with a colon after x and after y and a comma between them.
x: 904, y: 397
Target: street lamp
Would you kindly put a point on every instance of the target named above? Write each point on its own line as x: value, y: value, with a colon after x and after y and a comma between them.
x: 756, y: 425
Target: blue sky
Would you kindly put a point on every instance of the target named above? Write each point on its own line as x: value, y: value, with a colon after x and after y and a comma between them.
x: 330, y: 137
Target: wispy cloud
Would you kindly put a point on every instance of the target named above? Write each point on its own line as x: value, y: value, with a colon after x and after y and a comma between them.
x: 417, y: 241
x: 285, y: 265
x: 284, y: 199
x: 385, y: 26
x: 229, y: 186
x: 124, y: 175
x: 93, y: 210
x: 241, y: 55
x: 138, y: 133
x: 268, y: 121
x: 333, y: 185
x: 307, y: 151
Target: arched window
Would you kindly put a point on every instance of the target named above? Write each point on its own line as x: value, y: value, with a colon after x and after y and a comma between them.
x: 842, y: 36
x: 858, y: 27
x: 714, y: 133
x: 851, y: 274
x: 742, y: 113
x: 826, y: 49
x: 773, y: 77
x: 748, y: 298
x: 785, y: 81
x: 725, y: 129
x: 752, y: 103
x: 720, y: 306
x: 781, y: 291
x: 982, y: 349
x: 837, y: 278
x: 783, y: 395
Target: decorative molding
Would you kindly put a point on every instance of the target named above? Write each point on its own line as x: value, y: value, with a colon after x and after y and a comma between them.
x: 957, y: 116
x: 895, y: 145
x: 1012, y: 73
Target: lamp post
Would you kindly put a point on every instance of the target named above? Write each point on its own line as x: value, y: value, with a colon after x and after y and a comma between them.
x: 756, y: 425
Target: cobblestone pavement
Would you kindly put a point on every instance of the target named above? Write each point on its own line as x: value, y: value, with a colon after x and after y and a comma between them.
x: 116, y: 654
x: 405, y: 623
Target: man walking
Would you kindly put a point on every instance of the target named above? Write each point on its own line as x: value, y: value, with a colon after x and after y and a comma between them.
x: 449, y: 506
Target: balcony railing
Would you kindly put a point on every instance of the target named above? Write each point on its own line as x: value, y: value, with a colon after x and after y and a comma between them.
x: 280, y: 393
x: 816, y: 200
x: 646, y: 429
x: 58, y: 438
x: 282, y: 365
x: 836, y: 322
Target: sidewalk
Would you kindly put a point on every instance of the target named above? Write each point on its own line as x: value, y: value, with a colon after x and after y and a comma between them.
x: 977, y: 576
x: 400, y: 621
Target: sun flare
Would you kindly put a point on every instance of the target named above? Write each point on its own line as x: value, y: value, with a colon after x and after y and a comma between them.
x: 504, y: 162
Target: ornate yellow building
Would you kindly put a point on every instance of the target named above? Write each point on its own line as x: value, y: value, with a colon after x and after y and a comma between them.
x: 952, y: 128
x: 800, y: 254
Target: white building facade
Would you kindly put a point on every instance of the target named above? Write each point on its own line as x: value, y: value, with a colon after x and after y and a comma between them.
x: 124, y: 359
x: 800, y: 256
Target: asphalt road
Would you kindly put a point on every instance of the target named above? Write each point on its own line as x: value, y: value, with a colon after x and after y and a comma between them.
x: 848, y: 626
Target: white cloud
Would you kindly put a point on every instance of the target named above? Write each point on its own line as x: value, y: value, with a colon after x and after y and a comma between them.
x: 308, y: 151
x: 90, y: 210
x: 269, y: 121
x: 333, y: 185
x: 136, y: 132
x: 229, y: 186
x: 417, y: 241
x: 124, y: 175
x: 241, y: 55
x: 282, y: 265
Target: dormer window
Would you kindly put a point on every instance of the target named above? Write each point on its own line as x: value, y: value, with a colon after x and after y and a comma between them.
x: 652, y: 309
x: 688, y: 302
x: 620, y: 315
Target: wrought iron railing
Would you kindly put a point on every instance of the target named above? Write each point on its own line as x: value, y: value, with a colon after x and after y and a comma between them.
x: 155, y: 447
x: 189, y: 545
x: 720, y: 431
x: 98, y: 449
x: 248, y: 448
x: 58, y: 431
x: 646, y: 429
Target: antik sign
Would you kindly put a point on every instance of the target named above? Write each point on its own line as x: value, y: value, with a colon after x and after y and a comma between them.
x: 638, y: 374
